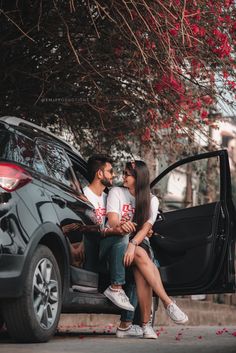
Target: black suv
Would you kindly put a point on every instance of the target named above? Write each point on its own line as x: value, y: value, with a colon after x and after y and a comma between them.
x: 194, y: 239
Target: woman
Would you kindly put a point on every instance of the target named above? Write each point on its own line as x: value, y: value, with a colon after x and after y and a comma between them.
x: 134, y: 202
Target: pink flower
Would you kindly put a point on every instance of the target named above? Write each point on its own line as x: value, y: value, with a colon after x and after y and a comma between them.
x: 147, y: 135
x: 207, y: 100
x: 204, y: 114
x: 219, y: 332
x: 225, y: 74
x: 174, y: 32
x: 195, y: 29
x: 202, y: 31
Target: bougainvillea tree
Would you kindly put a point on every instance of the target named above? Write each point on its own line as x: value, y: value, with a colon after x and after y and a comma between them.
x: 113, y: 72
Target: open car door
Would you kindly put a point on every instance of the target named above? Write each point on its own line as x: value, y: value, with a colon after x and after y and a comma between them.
x: 194, y: 237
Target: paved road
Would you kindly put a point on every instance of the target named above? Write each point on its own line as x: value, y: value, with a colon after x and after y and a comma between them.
x: 171, y: 340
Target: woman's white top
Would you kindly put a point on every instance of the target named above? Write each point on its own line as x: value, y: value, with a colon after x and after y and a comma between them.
x: 121, y: 201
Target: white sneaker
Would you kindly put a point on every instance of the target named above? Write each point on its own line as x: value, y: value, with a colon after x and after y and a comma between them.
x: 134, y: 331
x: 119, y: 298
x: 176, y: 314
x: 148, y: 331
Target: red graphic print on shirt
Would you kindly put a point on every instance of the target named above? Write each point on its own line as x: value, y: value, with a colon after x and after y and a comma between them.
x: 127, y: 212
x: 100, y: 213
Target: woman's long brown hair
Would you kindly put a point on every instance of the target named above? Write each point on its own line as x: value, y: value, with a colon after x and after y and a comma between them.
x: 139, y: 170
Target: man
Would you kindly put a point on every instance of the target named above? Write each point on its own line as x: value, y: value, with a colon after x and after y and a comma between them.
x: 101, y: 174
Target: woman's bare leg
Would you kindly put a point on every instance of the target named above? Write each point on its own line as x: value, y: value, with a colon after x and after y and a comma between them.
x: 144, y: 294
x: 151, y: 274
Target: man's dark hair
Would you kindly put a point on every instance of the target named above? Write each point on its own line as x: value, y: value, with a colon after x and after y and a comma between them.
x: 96, y: 162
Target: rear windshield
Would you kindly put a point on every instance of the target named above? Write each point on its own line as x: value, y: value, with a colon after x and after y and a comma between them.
x: 4, y: 140
x: 20, y: 149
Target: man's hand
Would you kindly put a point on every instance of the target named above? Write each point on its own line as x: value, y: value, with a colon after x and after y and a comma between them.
x: 69, y: 228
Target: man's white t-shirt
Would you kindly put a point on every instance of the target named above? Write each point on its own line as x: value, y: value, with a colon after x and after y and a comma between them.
x: 99, y: 203
x: 122, y: 202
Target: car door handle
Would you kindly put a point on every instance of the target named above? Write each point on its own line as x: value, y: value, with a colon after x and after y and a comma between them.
x: 59, y: 201
x: 160, y: 217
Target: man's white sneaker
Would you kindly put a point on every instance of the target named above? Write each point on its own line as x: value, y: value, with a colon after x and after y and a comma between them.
x: 119, y: 298
x: 134, y: 331
x: 148, y: 331
x: 176, y: 314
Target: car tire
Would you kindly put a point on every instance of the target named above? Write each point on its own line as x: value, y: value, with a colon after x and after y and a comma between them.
x: 34, y: 316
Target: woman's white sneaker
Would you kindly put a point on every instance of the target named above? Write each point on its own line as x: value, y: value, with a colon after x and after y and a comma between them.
x: 134, y: 331
x: 176, y: 314
x: 148, y: 331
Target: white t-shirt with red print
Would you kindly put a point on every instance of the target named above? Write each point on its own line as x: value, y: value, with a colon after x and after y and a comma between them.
x: 99, y: 203
x: 122, y: 202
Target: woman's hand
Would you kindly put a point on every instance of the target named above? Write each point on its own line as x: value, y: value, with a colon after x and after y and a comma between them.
x: 129, y: 254
x: 124, y: 228
x: 150, y: 233
x: 128, y: 226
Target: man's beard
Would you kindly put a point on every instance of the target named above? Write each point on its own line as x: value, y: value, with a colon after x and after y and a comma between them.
x: 106, y: 182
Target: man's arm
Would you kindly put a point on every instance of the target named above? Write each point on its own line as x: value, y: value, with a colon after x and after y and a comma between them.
x: 116, y: 227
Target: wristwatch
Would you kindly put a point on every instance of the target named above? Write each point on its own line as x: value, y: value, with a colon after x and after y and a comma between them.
x: 133, y: 241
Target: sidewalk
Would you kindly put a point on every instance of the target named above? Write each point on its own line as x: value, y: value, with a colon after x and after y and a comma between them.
x: 199, y: 312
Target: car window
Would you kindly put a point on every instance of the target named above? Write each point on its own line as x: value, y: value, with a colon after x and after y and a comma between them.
x: 56, y: 161
x: 83, y: 181
x: 21, y: 149
x: 79, y: 171
x: 191, y: 184
x: 4, y: 141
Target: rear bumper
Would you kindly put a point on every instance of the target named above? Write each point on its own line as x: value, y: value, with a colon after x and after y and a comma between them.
x: 11, y: 275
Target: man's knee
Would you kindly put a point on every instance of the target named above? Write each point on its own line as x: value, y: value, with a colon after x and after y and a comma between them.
x: 121, y: 244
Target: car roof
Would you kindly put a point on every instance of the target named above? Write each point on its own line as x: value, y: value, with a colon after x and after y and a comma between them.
x: 35, y: 130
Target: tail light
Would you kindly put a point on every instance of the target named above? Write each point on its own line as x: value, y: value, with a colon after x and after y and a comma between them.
x: 13, y: 177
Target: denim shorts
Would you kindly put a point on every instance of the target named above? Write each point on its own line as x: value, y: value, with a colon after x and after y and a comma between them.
x: 145, y: 244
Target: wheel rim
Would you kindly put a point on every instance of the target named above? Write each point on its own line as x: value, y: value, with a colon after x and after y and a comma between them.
x: 45, y: 293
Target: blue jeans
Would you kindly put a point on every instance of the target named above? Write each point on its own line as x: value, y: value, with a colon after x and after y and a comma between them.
x: 112, y: 249
x: 130, y: 290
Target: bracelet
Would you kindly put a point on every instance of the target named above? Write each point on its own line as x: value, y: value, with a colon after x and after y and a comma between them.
x: 134, y: 242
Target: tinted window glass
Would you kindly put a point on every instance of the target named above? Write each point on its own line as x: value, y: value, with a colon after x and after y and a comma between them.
x: 192, y: 184
x: 56, y: 161
x: 4, y: 141
x: 20, y: 149
x: 79, y: 171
